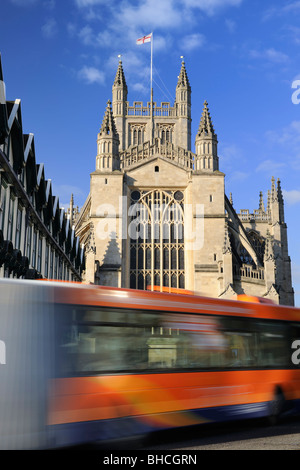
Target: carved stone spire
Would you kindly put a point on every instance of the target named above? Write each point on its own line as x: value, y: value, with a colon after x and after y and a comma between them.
x: 206, y: 143
x: 279, y: 191
x: 120, y: 77
x: 108, y: 143
x: 273, y: 190
x: 261, y: 202
x: 183, y: 81
x: 119, y: 103
x: 183, y: 108
x: 269, y: 202
x: 108, y: 126
x: 206, y: 126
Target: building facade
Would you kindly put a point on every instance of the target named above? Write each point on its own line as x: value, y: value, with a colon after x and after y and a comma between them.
x: 37, y: 238
x: 157, y: 215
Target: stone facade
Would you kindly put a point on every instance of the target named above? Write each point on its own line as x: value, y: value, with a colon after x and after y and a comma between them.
x: 157, y: 215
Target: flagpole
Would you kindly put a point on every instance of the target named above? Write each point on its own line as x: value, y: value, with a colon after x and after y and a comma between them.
x: 151, y: 87
x: 151, y: 73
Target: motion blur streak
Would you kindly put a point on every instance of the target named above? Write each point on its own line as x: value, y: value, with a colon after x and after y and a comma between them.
x: 86, y: 363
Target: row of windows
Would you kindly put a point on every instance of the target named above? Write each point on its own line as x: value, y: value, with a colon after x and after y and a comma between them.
x: 137, y: 135
x: 103, y: 340
x: 152, y: 256
x: 145, y: 279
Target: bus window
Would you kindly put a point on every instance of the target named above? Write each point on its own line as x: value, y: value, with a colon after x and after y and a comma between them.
x: 242, y: 349
x: 99, y: 340
x: 242, y: 342
x: 104, y: 340
x: 200, y: 341
x: 273, y: 339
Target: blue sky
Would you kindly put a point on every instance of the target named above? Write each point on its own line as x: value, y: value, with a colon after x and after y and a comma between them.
x: 60, y: 58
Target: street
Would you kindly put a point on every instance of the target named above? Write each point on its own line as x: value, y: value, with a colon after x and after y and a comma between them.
x: 250, y: 435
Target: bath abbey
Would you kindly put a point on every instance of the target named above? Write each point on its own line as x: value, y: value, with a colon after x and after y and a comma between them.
x: 157, y: 216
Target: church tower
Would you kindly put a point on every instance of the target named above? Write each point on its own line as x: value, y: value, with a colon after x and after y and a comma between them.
x: 206, y: 143
x: 157, y: 216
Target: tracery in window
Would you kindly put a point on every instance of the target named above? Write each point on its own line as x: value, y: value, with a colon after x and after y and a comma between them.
x: 137, y: 134
x: 156, y: 230
x: 258, y: 242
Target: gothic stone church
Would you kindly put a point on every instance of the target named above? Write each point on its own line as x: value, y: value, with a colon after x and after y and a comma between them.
x: 157, y: 213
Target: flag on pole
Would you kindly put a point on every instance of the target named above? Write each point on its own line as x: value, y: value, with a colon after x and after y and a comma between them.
x: 144, y: 39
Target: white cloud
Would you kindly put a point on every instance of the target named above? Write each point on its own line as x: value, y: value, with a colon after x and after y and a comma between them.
x: 292, y: 196
x: 49, y: 29
x: 86, y: 35
x: 238, y: 176
x: 140, y: 88
x: 102, y: 39
x: 91, y: 75
x: 231, y: 154
x: 286, y: 141
x: 271, y: 55
x: 270, y: 166
x: 292, y: 7
x: 193, y: 41
x: 133, y: 19
x: 150, y: 14
x: 230, y: 25
x: 89, y: 3
x: 288, y: 135
x: 156, y: 12
x: 211, y: 7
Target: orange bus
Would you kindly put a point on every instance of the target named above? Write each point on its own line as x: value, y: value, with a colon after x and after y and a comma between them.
x: 83, y: 363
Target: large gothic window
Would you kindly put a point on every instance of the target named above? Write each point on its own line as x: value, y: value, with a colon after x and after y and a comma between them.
x: 156, y: 230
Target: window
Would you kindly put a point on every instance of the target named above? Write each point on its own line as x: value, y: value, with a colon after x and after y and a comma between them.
x: 3, y: 189
x: 97, y: 339
x: 46, y: 268
x: 156, y: 169
x: 51, y: 264
x: 10, y: 216
x: 39, y: 255
x: 18, y: 228
x: 156, y: 230
x: 34, y: 248
x: 55, y: 266
x: 28, y: 241
x: 135, y: 137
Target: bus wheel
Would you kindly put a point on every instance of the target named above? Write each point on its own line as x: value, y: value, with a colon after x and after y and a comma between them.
x: 276, y: 407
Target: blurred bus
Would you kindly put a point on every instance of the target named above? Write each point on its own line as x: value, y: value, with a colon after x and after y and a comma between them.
x: 85, y: 363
